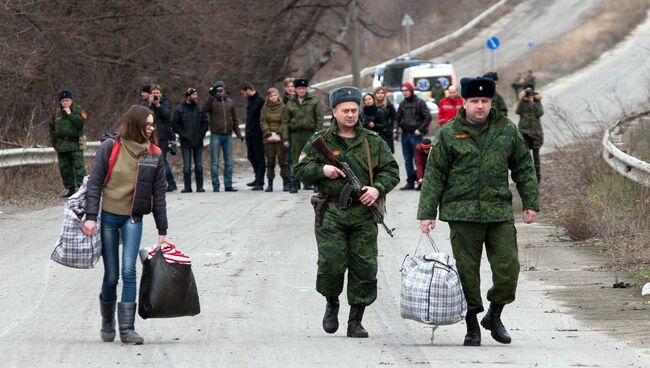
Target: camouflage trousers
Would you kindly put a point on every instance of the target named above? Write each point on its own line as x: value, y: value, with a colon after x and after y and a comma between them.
x: 72, y: 168
x: 347, y: 239
x: 500, y: 240
x: 297, y: 142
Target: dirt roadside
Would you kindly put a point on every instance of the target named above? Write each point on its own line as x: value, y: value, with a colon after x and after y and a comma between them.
x: 580, y: 278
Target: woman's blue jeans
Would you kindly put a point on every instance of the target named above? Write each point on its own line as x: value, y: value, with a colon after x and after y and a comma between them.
x: 113, y: 227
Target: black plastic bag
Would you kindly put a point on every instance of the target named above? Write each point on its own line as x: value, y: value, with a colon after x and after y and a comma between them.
x: 167, y: 289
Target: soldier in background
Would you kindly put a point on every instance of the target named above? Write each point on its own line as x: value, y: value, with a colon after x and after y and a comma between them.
x: 530, y: 111
x: 467, y: 177
x: 302, y: 118
x: 66, y: 129
x: 347, y: 238
x: 497, y: 101
x: 437, y: 92
x: 530, y: 80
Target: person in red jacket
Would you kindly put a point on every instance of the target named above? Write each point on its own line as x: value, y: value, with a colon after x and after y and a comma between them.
x: 421, y: 156
x: 449, y: 106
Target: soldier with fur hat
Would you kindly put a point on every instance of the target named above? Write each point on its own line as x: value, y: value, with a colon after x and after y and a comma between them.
x: 347, y: 235
x: 66, y: 129
x: 466, y: 181
x: 302, y: 118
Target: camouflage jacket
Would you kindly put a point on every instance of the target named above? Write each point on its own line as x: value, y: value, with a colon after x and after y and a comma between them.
x: 305, y: 116
x: 499, y: 104
x: 529, y: 123
x: 65, y: 129
x: 309, y: 167
x: 467, y: 172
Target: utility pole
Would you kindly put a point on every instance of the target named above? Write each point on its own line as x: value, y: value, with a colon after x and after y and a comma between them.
x: 407, y: 22
x: 354, y: 44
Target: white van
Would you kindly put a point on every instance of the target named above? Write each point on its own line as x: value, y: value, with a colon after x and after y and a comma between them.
x: 424, y: 76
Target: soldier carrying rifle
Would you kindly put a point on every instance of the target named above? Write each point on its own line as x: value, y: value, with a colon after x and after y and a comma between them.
x: 346, y: 218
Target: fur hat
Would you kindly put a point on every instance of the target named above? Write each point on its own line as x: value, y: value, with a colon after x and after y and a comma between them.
x: 300, y: 82
x: 477, y: 87
x: 64, y: 94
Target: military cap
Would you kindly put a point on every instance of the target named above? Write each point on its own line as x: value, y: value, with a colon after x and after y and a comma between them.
x: 477, y: 87
x: 300, y: 82
x: 345, y: 94
x: 492, y: 75
x: 190, y: 91
x: 64, y: 94
x: 146, y: 89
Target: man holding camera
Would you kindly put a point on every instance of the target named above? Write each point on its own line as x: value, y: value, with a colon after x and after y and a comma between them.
x: 530, y: 111
x: 159, y: 104
x: 223, y: 121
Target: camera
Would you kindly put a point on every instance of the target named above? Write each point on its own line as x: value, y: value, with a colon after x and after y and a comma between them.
x: 172, y: 148
x: 156, y: 98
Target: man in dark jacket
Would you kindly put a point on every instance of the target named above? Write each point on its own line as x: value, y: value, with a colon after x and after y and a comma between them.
x: 191, y: 124
x: 66, y: 127
x: 413, y: 117
x: 254, y: 137
x: 159, y: 104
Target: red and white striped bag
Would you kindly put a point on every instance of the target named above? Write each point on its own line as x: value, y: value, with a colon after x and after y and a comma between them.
x: 170, y: 253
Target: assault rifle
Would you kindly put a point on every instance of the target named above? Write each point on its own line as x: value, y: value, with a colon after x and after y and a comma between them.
x: 352, y: 185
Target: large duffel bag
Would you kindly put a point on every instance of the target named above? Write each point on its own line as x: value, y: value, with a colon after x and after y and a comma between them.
x: 431, y: 291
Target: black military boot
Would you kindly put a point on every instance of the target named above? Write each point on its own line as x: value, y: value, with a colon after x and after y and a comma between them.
x: 355, y: 329
x: 492, y: 322
x: 269, y: 186
x: 286, y: 185
x: 294, y: 186
x: 473, y: 337
x: 331, y: 318
x: 107, y: 310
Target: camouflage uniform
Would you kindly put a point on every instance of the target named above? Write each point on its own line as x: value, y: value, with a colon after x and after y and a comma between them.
x: 65, y: 131
x: 299, y: 123
x: 530, y: 127
x: 467, y: 176
x: 348, y: 238
x: 499, y: 104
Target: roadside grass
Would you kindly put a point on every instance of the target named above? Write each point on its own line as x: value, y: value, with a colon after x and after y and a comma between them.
x: 595, y: 204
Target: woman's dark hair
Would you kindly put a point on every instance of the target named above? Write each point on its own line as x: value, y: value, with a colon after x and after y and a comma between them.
x: 133, y: 124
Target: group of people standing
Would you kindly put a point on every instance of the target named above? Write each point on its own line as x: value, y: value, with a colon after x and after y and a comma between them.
x: 277, y: 127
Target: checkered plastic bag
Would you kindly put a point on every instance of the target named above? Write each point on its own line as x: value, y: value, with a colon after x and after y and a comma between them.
x: 74, y: 248
x: 431, y: 292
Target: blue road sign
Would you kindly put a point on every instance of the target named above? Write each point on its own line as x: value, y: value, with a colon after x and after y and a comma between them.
x: 493, y: 43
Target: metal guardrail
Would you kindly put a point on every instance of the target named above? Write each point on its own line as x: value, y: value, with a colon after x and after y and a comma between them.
x: 626, y: 165
x: 420, y: 50
x: 46, y: 155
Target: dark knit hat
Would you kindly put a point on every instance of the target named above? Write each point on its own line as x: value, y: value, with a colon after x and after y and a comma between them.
x: 64, y: 94
x: 477, y: 87
x: 345, y: 94
x: 190, y: 91
x: 300, y: 82
x: 146, y: 89
x: 492, y: 75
